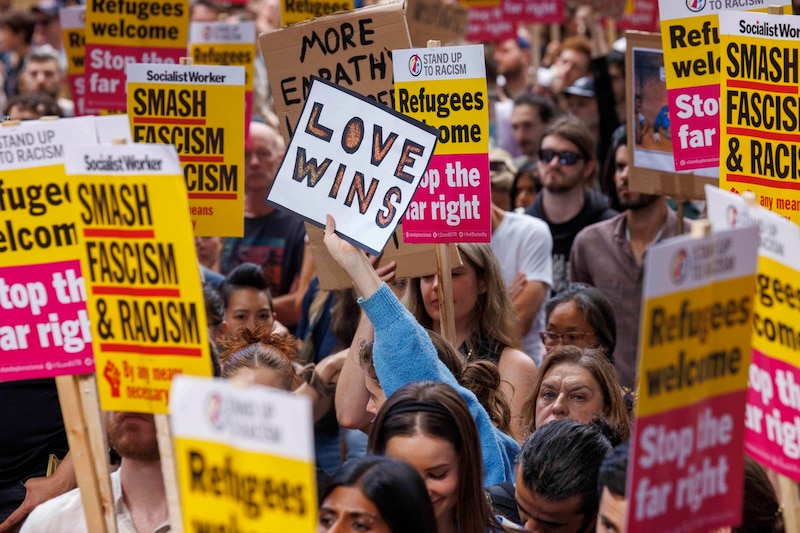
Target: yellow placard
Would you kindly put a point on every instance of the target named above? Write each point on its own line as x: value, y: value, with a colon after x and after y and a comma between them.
x: 156, y: 24
x: 199, y: 110
x: 696, y: 345
x: 458, y: 111
x: 760, y: 110
x: 691, y: 51
x: 225, y: 489
x: 229, y: 54
x: 142, y: 281
x: 776, y: 319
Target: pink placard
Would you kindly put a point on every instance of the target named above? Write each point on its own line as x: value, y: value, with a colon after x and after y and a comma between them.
x: 534, y: 11
x: 772, y: 422
x: 452, y: 203
x: 685, y: 472
x: 44, y: 328
x: 489, y: 24
x: 105, y: 71
x: 694, y: 122
x: 643, y: 18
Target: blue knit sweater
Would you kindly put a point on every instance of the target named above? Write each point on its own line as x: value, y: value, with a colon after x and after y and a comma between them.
x: 403, y: 353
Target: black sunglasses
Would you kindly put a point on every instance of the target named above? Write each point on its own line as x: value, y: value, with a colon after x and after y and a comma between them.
x: 565, y: 157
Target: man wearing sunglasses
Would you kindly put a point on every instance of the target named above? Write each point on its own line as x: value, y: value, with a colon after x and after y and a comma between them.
x: 566, y: 164
x: 610, y: 255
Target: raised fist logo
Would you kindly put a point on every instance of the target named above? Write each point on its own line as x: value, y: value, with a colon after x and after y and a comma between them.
x: 111, y: 373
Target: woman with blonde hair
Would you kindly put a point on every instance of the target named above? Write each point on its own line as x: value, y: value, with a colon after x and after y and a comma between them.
x: 485, y: 322
x: 578, y: 384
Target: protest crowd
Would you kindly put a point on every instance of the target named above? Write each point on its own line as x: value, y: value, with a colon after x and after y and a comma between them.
x: 522, y: 419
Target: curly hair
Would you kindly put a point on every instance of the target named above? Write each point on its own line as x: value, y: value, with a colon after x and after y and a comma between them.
x: 260, y: 348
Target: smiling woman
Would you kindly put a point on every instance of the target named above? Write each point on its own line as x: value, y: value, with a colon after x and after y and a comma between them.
x: 427, y: 425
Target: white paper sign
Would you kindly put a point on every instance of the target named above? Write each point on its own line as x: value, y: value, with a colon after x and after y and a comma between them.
x: 355, y: 159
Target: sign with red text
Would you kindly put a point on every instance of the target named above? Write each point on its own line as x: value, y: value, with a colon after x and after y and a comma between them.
x: 44, y: 327
x: 772, y: 422
x: 226, y: 44
x: 258, y: 437
x: 354, y: 159
x: 446, y: 88
x: 761, y: 109
x: 143, y: 286
x: 119, y: 33
x: 73, y: 23
x: 199, y: 110
x: 685, y: 471
x: 690, y: 35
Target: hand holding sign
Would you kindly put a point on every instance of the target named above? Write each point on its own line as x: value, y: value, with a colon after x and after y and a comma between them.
x: 352, y: 260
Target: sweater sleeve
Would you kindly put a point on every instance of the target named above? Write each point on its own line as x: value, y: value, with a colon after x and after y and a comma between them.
x: 403, y: 353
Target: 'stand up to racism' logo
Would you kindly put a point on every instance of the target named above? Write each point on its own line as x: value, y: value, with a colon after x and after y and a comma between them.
x: 679, y: 267
x: 415, y: 65
x: 731, y: 215
x: 214, y: 411
x: 695, y: 5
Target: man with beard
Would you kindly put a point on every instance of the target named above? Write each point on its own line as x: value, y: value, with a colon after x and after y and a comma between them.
x: 566, y: 164
x: 610, y: 254
x: 138, y: 487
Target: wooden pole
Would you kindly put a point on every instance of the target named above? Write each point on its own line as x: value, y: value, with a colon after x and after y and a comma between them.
x: 169, y: 472
x: 444, y: 271
x: 89, y: 450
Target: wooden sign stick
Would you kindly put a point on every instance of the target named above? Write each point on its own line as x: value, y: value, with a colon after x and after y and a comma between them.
x: 87, y: 444
x: 169, y: 472
x: 444, y: 271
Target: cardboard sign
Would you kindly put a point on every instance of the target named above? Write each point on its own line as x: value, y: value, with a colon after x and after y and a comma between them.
x: 355, y: 159
x: 773, y: 401
x: 44, y: 326
x: 412, y: 260
x: 690, y: 35
x: 142, y: 282
x: 686, y: 466
x: 446, y: 88
x: 432, y: 19
x: 199, y: 110
x: 245, y: 457
x: 293, y: 11
x: 119, y: 33
x: 649, y: 124
x: 222, y: 43
x: 349, y: 49
x: 761, y: 109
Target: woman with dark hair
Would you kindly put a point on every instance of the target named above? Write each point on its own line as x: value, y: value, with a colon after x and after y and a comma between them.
x: 247, y: 299
x: 427, y: 425
x: 525, y: 187
x: 376, y: 494
x: 580, y: 316
x: 577, y: 384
